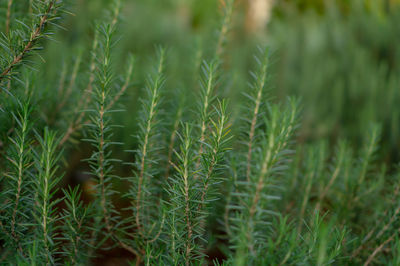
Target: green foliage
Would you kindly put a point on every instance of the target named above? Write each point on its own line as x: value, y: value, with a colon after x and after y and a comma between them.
x: 45, y: 187
x: 189, y: 179
x: 146, y: 185
x: 15, y: 198
x: 100, y: 162
x: 18, y: 43
x: 76, y: 227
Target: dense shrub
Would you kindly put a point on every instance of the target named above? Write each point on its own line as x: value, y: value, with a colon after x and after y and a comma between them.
x: 193, y: 153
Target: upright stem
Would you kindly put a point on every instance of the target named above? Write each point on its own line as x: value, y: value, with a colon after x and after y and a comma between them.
x: 21, y: 166
x: 228, y: 10
x: 172, y: 141
x: 147, y: 132
x: 189, y: 226
x: 8, y: 17
x: 205, y: 113
x: 259, y: 84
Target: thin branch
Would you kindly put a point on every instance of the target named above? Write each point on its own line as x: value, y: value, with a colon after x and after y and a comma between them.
x: 380, y: 247
x: 189, y: 225
x: 123, y: 88
x: 35, y: 36
x: 205, y: 111
x: 8, y: 17
x: 252, y: 131
x: 172, y: 141
x: 78, y: 124
x: 129, y: 249
x: 102, y: 166
x: 379, y: 234
x: 330, y: 183
x: 260, y: 83
x: 228, y: 10
x: 71, y: 85
x: 143, y: 162
x: 148, y: 128
x: 84, y: 101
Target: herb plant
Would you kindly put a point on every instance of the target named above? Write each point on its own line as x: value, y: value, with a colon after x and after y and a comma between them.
x: 189, y: 174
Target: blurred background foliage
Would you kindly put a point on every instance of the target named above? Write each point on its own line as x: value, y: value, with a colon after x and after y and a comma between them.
x: 341, y: 57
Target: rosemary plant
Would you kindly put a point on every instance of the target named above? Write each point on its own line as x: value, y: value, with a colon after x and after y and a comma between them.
x: 201, y: 181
